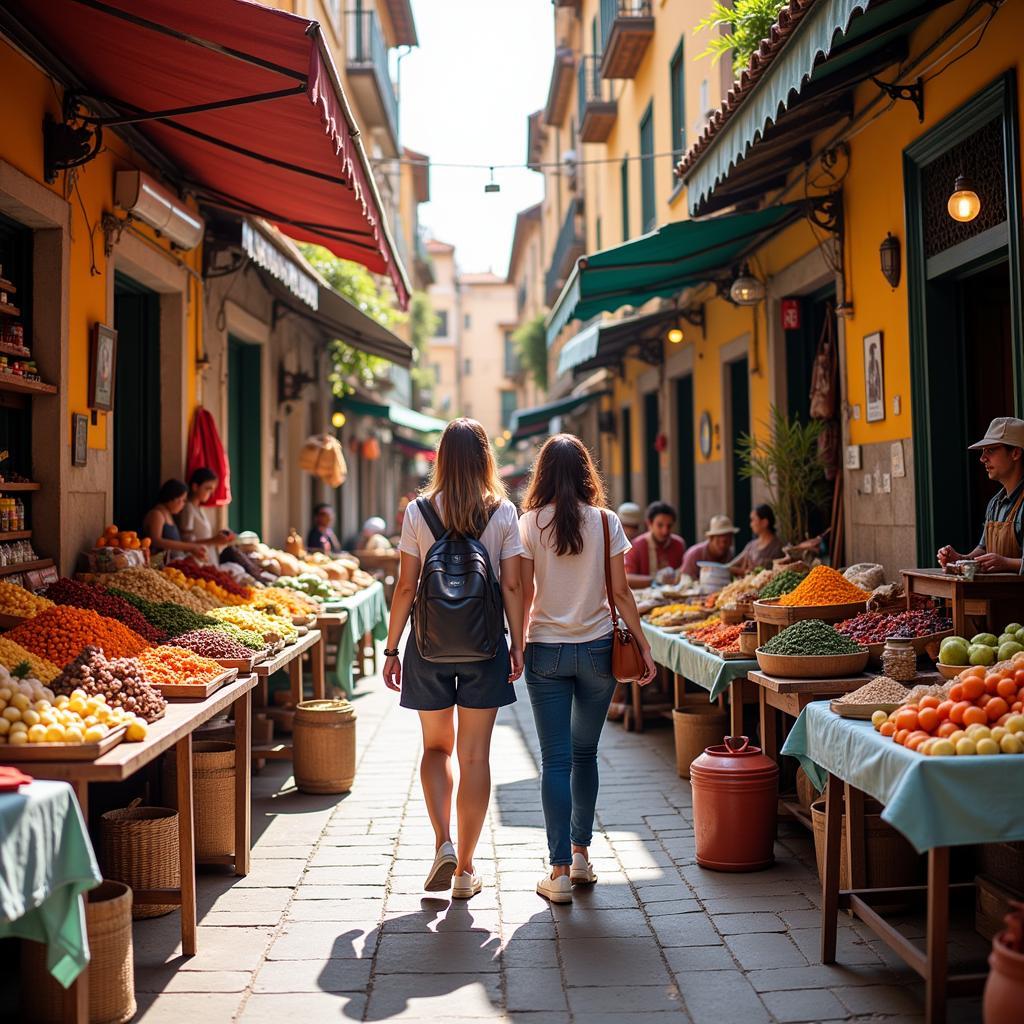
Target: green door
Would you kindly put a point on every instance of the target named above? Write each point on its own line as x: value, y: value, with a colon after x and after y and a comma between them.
x: 687, y: 497
x: 627, y: 454
x: 245, y: 444
x: 136, y: 402
x: 739, y: 423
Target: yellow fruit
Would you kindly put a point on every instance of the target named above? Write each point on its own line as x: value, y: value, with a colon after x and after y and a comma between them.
x: 998, y: 732
x: 977, y: 731
x: 19, y: 727
x: 18, y: 739
x: 136, y: 731
x: 955, y: 737
x: 6, y: 693
x: 941, y: 748
x: 965, y: 747
x: 1011, y: 744
x: 12, y: 714
x: 62, y: 701
x: 37, y: 734
x: 73, y: 735
x: 95, y: 733
x: 30, y: 717
x: 878, y: 718
x: 55, y: 734
x: 20, y: 701
x: 5, y: 726
x: 1015, y: 724
x: 90, y: 720
x: 77, y: 705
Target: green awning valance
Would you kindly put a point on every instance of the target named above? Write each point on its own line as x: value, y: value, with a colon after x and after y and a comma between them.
x: 400, y: 415
x: 531, y: 422
x: 662, y: 263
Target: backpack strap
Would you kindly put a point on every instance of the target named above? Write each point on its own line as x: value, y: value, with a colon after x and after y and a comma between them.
x: 433, y: 520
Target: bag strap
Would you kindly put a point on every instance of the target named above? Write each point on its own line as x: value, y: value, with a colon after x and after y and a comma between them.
x: 608, y: 568
x: 432, y: 519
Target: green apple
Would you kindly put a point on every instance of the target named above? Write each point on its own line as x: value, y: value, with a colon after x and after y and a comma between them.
x: 981, y: 654
x: 956, y: 653
x: 1009, y: 649
x: 1006, y: 638
x: 953, y: 640
x: 988, y: 639
x: 1013, y: 627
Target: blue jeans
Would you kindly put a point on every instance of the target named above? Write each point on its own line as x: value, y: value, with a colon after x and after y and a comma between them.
x: 570, y: 688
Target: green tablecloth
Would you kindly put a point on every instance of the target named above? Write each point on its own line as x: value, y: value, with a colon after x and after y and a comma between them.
x: 933, y: 801
x: 367, y: 613
x: 46, y: 863
x: 695, y: 663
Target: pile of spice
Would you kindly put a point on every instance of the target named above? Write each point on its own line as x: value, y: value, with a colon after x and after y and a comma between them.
x: 13, y: 655
x: 104, y: 602
x: 122, y: 682
x: 718, y: 636
x: 782, y: 583
x: 881, y: 690
x: 148, y: 584
x: 196, y: 593
x: 212, y: 644
x: 284, y: 602
x: 170, y: 665
x: 271, y: 628
x: 224, y: 580
x: 19, y: 602
x: 810, y: 637
x: 821, y: 586
x: 170, y: 618
x: 249, y: 639
x: 711, y: 620
x: 62, y: 632
x: 743, y: 590
x: 877, y: 627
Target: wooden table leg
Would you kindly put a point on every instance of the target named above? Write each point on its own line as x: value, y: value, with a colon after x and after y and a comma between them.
x: 295, y: 677
x: 830, y: 874
x: 186, y: 844
x: 736, y: 689
x: 855, y: 849
x: 638, y: 706
x: 243, y: 783
x: 678, y: 690
x: 75, y: 998
x: 769, y: 734
x: 937, y: 936
x: 318, y: 666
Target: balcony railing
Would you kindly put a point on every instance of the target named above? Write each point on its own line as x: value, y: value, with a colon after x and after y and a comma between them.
x: 569, y: 247
x: 367, y: 54
x: 597, y: 108
x: 627, y: 27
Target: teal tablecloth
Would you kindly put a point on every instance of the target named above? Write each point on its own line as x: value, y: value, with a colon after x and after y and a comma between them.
x: 367, y: 613
x: 933, y: 801
x: 695, y: 663
x: 46, y: 863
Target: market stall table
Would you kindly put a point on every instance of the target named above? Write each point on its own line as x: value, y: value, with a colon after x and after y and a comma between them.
x: 367, y: 617
x: 289, y: 657
x: 173, y: 730
x: 981, y: 598
x: 933, y: 801
x: 703, y: 667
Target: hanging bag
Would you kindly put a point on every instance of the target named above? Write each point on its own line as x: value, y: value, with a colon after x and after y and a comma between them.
x: 823, y: 376
x: 628, y: 665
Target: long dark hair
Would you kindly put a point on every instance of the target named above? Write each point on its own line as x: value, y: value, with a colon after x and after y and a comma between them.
x: 565, y: 476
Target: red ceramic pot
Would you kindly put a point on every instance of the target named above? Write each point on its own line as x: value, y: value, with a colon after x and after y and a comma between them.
x: 1004, y: 987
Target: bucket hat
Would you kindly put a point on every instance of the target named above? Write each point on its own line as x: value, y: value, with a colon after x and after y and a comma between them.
x: 1006, y: 430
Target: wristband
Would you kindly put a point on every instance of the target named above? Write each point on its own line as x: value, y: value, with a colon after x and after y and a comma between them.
x: 391, y: 654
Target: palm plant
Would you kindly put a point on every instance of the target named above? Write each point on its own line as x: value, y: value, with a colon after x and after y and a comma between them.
x: 747, y: 21
x: 787, y: 462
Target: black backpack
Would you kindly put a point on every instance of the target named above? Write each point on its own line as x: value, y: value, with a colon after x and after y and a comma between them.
x: 458, y: 615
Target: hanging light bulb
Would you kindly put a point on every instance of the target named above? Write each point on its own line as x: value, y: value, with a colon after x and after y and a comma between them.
x: 746, y: 290
x: 675, y: 336
x: 964, y: 204
x: 338, y: 420
x: 492, y: 185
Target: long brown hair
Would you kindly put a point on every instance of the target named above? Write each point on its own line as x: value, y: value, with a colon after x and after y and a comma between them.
x: 565, y: 476
x: 466, y: 473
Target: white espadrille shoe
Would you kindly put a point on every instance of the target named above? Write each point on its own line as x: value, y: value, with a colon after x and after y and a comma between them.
x: 440, y: 876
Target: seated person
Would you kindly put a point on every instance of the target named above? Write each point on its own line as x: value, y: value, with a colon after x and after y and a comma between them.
x: 162, y: 530
x: 321, y: 536
x: 371, y: 537
x: 716, y: 548
x: 192, y: 520
x: 631, y: 516
x: 658, y: 548
x: 764, y: 547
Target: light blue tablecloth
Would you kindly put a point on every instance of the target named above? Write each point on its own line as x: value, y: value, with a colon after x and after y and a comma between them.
x: 367, y: 613
x: 46, y: 863
x: 697, y: 664
x: 933, y: 801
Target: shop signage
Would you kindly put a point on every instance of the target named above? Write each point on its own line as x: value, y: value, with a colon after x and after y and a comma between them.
x: 287, y: 271
x: 790, y: 314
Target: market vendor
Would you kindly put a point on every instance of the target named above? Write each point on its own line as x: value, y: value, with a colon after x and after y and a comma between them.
x: 632, y: 518
x: 162, y: 529
x: 192, y: 520
x: 1002, y: 539
x: 321, y: 535
x: 658, y: 548
x: 372, y: 537
x: 765, y: 546
x: 716, y: 546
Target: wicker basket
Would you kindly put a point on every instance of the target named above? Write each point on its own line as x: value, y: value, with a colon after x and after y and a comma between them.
x: 697, y: 726
x: 108, y: 920
x: 324, y: 746
x: 213, y: 795
x: 139, y: 846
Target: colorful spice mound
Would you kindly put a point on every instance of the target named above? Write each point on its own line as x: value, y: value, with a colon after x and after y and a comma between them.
x: 61, y: 633
x: 193, y: 570
x: 104, y: 602
x: 13, y: 655
x: 196, y: 593
x: 672, y: 614
x: 121, y: 682
x: 270, y: 627
x: 171, y: 619
x: 785, y: 582
x: 211, y: 644
x: 824, y: 585
x: 174, y: 665
x: 711, y: 620
x: 810, y: 637
x: 249, y: 639
x: 744, y: 589
x: 284, y: 602
x: 881, y: 690
x: 150, y: 584
x: 720, y: 637
x: 877, y: 627
x: 15, y: 600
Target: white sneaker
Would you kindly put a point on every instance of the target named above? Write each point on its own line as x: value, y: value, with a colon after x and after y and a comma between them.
x: 466, y: 885
x: 582, y: 871
x: 557, y: 890
x: 440, y: 876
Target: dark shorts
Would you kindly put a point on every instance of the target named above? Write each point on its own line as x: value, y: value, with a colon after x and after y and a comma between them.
x: 435, y: 685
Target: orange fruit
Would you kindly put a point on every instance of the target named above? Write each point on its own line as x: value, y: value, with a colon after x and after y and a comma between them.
x: 915, y: 739
x: 928, y: 719
x: 928, y: 702
x: 992, y: 682
x: 975, y: 716
x: 1007, y: 688
x: 944, y: 709
x: 956, y: 692
x: 956, y: 713
x: 906, y: 718
x: 996, y: 708
x: 975, y: 670
x: 901, y: 736
x: 887, y: 729
x: 946, y: 729
x: 973, y: 687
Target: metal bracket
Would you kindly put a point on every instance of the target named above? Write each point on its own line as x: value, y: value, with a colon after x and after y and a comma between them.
x: 827, y: 213
x: 650, y: 351
x: 695, y: 317
x: 290, y: 385
x: 113, y: 228
x: 914, y: 93
x: 65, y: 145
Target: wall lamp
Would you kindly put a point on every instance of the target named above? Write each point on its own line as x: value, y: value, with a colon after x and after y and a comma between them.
x: 746, y: 290
x: 964, y: 204
x: 889, y: 255
x: 695, y: 317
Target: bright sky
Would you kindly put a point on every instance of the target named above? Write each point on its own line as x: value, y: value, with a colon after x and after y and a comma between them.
x: 481, y: 67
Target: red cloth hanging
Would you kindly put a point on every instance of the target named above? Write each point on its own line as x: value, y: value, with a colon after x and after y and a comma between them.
x: 206, y: 451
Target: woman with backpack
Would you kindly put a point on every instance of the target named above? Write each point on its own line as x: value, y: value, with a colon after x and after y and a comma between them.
x: 573, y: 562
x: 459, y: 577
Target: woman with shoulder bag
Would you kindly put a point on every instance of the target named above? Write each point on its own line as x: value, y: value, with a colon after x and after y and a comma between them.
x: 574, y: 589
x: 454, y: 539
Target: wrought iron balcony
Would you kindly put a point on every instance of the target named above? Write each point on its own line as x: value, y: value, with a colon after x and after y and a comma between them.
x: 569, y: 248
x: 368, y: 71
x: 627, y: 27
x: 597, y: 109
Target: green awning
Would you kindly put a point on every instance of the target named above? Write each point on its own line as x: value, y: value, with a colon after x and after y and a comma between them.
x: 580, y: 348
x: 662, y: 263
x: 400, y: 415
x: 532, y: 422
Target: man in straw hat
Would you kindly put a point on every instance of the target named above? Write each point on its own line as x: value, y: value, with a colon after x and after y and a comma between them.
x: 1000, y: 546
x: 716, y: 547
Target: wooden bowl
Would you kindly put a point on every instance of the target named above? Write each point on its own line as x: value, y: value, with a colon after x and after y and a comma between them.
x: 732, y: 616
x: 828, y: 666
x: 777, y: 614
x: 860, y: 711
x: 950, y: 671
x: 920, y: 643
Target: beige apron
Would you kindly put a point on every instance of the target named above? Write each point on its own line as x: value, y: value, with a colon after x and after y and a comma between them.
x: 1001, y: 537
x: 652, y: 556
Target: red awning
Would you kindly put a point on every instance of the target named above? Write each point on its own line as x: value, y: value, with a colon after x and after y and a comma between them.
x: 287, y: 149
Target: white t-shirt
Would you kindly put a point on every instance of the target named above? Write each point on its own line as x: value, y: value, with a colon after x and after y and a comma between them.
x: 570, y: 601
x: 500, y: 536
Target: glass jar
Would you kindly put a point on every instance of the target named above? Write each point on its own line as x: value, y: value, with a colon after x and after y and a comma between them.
x: 899, y: 660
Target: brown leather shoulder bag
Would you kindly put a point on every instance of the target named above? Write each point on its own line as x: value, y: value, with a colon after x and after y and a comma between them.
x: 628, y: 664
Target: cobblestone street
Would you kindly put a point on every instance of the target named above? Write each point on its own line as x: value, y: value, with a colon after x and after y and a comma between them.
x: 332, y: 923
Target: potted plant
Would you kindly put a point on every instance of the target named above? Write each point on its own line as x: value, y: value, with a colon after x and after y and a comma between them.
x: 1004, y: 988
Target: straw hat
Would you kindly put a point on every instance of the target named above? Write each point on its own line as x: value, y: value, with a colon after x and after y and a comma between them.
x: 720, y: 525
x: 630, y: 514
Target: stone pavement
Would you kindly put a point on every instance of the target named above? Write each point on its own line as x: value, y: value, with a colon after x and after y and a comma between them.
x: 332, y: 923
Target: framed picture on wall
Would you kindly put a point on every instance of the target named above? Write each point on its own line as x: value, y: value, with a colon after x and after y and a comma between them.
x: 102, y: 356
x: 79, y: 439
x: 874, y: 377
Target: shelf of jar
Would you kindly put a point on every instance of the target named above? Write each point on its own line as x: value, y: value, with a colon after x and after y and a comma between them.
x: 10, y: 382
x: 8, y: 310
x: 14, y: 350
x: 15, y: 535
x: 41, y: 563
x: 7, y: 286
x: 26, y: 485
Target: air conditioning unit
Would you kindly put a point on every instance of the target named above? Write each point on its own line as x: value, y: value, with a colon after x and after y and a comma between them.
x: 139, y: 195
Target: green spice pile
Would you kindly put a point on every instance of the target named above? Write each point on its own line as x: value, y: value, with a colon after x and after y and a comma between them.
x: 810, y: 637
x: 787, y: 580
x: 246, y: 637
x: 173, y: 619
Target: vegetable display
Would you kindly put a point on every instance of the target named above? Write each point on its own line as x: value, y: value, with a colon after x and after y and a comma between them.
x: 104, y: 602
x: 877, y: 627
x: 809, y: 638
x: 719, y: 636
x: 744, y: 589
x: 196, y: 589
x: 307, y: 583
x: 284, y: 602
x: 18, y: 601
x: 175, y: 665
x: 61, y: 633
x: 120, y: 682
x: 983, y: 648
x: 823, y: 585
